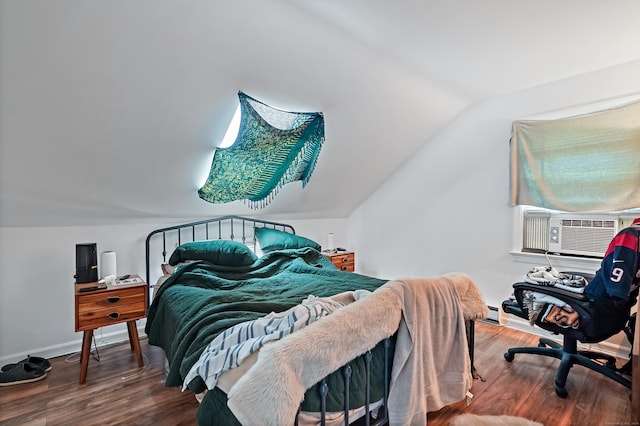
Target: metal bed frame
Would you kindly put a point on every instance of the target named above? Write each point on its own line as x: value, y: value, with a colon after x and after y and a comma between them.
x: 226, y: 228
x: 240, y: 228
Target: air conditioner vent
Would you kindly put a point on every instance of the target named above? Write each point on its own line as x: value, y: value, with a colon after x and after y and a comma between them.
x: 581, y: 236
x: 535, y: 236
x: 590, y: 223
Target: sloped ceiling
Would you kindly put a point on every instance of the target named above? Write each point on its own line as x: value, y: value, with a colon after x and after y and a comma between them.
x: 109, y: 110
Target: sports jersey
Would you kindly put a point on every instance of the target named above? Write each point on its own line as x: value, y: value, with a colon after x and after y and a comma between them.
x: 617, y: 276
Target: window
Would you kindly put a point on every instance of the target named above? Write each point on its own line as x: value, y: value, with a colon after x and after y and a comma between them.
x: 233, y: 130
x: 575, y: 182
x: 587, y: 163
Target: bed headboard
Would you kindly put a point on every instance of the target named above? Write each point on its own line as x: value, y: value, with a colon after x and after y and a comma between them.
x: 236, y: 228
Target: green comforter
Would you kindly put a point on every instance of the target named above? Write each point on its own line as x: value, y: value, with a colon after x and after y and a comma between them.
x: 200, y: 300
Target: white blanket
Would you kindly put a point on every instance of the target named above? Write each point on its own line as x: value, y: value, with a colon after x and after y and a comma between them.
x: 431, y: 366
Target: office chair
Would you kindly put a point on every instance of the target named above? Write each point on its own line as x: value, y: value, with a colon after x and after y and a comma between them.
x: 586, y: 332
x: 600, y: 311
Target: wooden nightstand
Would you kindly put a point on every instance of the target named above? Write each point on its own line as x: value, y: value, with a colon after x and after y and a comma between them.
x: 122, y: 302
x: 344, y: 260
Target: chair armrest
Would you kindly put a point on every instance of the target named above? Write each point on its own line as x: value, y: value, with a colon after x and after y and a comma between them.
x: 562, y: 294
x: 577, y: 301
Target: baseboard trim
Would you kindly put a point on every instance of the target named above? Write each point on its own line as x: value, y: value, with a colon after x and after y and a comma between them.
x: 494, y: 314
x: 67, y: 348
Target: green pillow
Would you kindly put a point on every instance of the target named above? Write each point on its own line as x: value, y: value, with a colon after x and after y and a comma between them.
x: 273, y: 239
x: 220, y: 252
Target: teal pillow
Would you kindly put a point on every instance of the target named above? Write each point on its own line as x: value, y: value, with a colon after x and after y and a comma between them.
x: 219, y: 252
x: 273, y: 239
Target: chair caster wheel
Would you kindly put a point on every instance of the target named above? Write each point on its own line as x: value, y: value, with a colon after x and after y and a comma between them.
x: 508, y: 356
x: 561, y: 392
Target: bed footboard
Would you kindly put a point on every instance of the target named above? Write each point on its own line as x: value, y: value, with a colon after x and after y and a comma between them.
x: 367, y: 419
x: 381, y: 417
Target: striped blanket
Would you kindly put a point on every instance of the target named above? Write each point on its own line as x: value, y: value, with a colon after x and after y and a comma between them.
x: 236, y: 343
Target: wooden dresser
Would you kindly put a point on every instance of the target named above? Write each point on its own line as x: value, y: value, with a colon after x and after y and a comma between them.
x: 344, y: 260
x: 117, y: 303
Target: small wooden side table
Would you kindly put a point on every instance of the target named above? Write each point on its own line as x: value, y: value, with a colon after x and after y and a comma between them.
x: 122, y: 301
x: 344, y: 260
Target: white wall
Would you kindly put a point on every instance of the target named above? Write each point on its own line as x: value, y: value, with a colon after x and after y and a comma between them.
x: 448, y: 208
x: 37, y: 265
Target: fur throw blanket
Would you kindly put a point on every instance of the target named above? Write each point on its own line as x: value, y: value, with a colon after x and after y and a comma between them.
x: 471, y: 301
x: 289, y: 366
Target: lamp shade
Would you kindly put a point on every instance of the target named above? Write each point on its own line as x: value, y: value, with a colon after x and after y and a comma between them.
x: 107, y: 264
x: 331, y: 242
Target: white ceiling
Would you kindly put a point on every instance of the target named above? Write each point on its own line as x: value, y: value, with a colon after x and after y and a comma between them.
x: 109, y: 109
x: 481, y: 49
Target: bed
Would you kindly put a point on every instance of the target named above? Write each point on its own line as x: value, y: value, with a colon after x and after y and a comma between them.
x: 223, y: 274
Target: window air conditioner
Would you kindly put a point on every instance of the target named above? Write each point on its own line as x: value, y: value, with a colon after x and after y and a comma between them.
x: 585, y: 236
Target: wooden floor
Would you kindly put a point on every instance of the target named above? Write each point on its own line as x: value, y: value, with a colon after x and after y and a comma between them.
x: 117, y: 392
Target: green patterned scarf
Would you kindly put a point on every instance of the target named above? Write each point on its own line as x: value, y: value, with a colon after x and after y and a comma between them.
x: 272, y: 149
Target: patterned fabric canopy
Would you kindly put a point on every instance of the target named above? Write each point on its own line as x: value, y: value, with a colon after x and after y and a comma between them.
x: 273, y: 148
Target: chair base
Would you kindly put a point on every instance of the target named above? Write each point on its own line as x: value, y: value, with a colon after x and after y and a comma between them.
x: 569, y: 356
